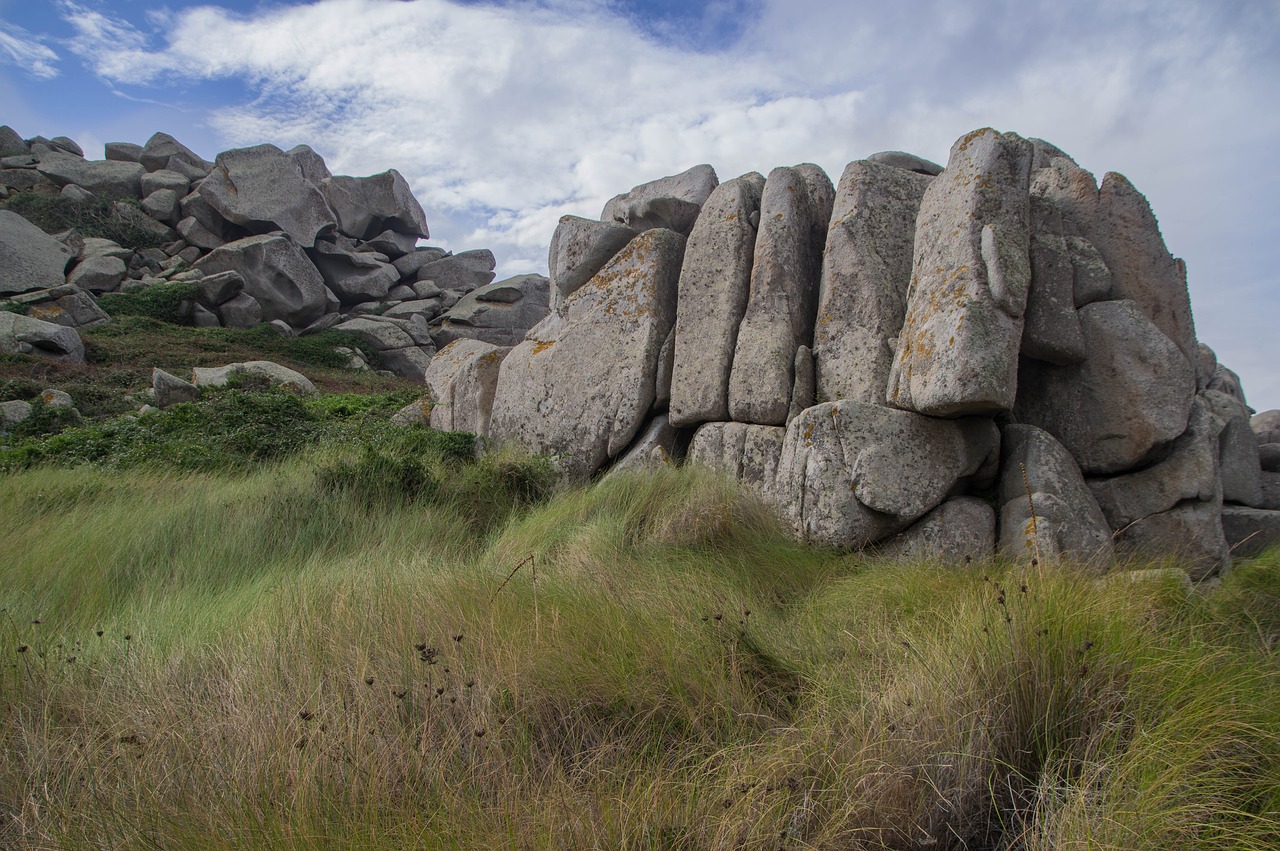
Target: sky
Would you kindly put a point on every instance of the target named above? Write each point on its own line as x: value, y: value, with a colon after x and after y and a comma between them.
x: 506, y: 114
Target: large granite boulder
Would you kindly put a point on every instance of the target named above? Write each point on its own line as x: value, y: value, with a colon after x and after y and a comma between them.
x: 30, y: 259
x: 65, y: 305
x: 263, y: 189
x: 1239, y: 455
x: 353, y: 276
x: 163, y: 152
x: 461, y: 381
x: 261, y: 370
x: 582, y: 384
x: 23, y: 335
x: 714, y: 285
x: 1047, y: 512
x: 461, y: 272
x: 866, y: 271
x: 277, y: 274
x: 907, y: 162
x: 747, y: 453
x: 1191, y: 533
x: 98, y: 274
x: 367, y: 206
x: 500, y: 313
x: 959, y: 531
x: 782, y: 300
x: 1250, y: 531
x: 958, y: 350
x: 851, y: 473
x: 101, y: 177
x: 580, y: 248
x: 670, y: 202
x: 1132, y: 393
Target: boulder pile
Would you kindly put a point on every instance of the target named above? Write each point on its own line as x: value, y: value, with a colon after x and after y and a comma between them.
x: 265, y: 235
x: 997, y: 356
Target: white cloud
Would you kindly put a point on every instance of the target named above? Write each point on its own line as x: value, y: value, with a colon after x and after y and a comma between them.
x: 23, y: 50
x: 505, y: 117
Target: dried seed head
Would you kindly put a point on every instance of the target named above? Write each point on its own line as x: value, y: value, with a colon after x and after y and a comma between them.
x: 23, y: 648
x: 368, y: 681
x: 98, y: 633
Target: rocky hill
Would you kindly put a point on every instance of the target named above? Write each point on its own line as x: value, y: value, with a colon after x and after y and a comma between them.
x: 260, y: 235
x: 995, y: 357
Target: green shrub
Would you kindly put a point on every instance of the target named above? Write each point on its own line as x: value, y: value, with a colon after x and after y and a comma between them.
x: 377, y: 478
x: 14, y: 307
x: 161, y: 302
x: 45, y: 420
x: 96, y: 217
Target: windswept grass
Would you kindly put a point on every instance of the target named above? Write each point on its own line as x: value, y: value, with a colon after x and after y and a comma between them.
x: 647, y: 663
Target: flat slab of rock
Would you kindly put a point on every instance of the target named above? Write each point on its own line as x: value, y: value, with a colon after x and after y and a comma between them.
x: 958, y: 351
x: 866, y: 271
x: 782, y: 301
x: 353, y: 276
x: 580, y: 248
x: 851, y: 473
x: 1191, y: 533
x: 669, y: 202
x: 1250, y: 531
x: 500, y: 313
x: 274, y: 373
x: 101, y: 177
x: 462, y: 272
x: 277, y: 274
x: 98, y: 274
x: 1133, y: 392
x: 582, y: 385
x: 907, y: 162
x: 263, y: 189
x: 960, y: 531
x: 715, y: 281
x: 65, y: 305
x: 30, y: 259
x: 23, y: 335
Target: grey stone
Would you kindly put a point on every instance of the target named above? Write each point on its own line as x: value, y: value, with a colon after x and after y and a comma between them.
x: 1191, y: 533
x: 1190, y: 472
x: 463, y: 272
x: 391, y: 243
x: 98, y: 274
x: 282, y: 328
x: 462, y: 380
x: 1046, y: 153
x: 428, y: 307
x: 165, y: 179
x: 309, y: 163
x: 74, y: 193
x: 1250, y: 531
x: 162, y: 205
x: 1265, y: 422
x: 1269, y: 459
x: 353, y: 276
x: 747, y: 453
x: 195, y: 206
x: 383, y: 336
x: 23, y: 335
x: 714, y: 285
x: 124, y: 152
x: 906, y: 162
x: 274, y: 373
x: 162, y: 151
x: 131, y: 215
x: 1133, y: 392
x: 409, y: 264
x: 13, y: 412
x: 97, y: 247
x: 410, y: 362
x: 1239, y: 456
x: 657, y: 203
x: 494, y: 314
x: 417, y: 412
x: 401, y: 292
x: 101, y: 177
x: 11, y: 142
x: 580, y: 248
x: 54, y: 398
x: 781, y: 304
x: 203, y: 317
x: 957, y: 532
x: 22, y: 179
x: 1051, y: 330
x: 1227, y: 382
x: 653, y: 448
x: 415, y: 326
x: 171, y: 390
x: 213, y: 290
x: 662, y: 382
x: 866, y: 271
x: 30, y: 259
x: 804, y: 390
x: 240, y: 311
x: 276, y: 273
x: 580, y: 386
x: 64, y: 305
x: 1206, y: 366
x: 1270, y: 491
x: 958, y: 350
x: 366, y: 206
x: 1046, y: 509
x: 262, y: 189
x: 851, y: 474
x: 197, y: 234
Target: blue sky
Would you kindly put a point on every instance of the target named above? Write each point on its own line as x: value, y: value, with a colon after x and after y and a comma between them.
x: 506, y: 115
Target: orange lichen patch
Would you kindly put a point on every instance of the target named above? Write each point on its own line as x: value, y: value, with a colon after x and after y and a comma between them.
x: 493, y: 357
x: 46, y: 312
x: 542, y: 347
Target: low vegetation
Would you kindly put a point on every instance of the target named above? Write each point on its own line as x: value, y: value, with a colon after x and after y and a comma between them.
x: 103, y: 217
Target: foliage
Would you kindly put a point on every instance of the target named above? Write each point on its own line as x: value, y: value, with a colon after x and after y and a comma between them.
x: 161, y: 302
x: 95, y: 217
x: 14, y: 307
x: 256, y: 661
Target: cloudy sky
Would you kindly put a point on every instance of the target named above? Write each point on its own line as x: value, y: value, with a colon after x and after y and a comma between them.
x: 506, y: 114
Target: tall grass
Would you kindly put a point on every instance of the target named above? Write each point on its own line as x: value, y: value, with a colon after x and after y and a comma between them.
x: 646, y: 663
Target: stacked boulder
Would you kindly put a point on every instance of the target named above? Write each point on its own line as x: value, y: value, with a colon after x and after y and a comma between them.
x: 266, y: 236
x: 995, y: 357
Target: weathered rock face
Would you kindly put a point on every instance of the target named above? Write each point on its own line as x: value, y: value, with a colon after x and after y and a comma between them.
x: 672, y: 202
x: 30, y: 259
x: 263, y: 370
x: 461, y: 272
x: 353, y: 276
x: 1132, y: 393
x: 714, y: 285
x: 367, y: 206
x: 277, y: 274
x: 747, y: 453
x: 580, y: 248
x: 101, y: 177
x: 959, y: 531
x: 851, y: 473
x: 23, y: 335
x: 500, y: 313
x: 782, y: 300
x: 461, y: 381
x: 866, y: 271
x: 581, y: 385
x: 958, y: 351
x: 1191, y: 533
x: 263, y: 189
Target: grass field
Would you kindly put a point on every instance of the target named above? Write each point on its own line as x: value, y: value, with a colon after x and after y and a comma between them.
x: 291, y: 656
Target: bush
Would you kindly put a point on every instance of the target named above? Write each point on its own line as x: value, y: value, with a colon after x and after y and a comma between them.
x: 96, y: 217
x: 159, y: 301
x: 377, y: 478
